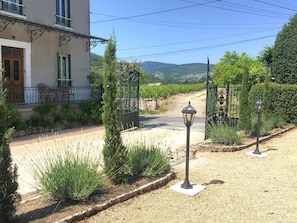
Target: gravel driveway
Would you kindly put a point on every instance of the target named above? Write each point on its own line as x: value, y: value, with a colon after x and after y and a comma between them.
x: 239, y: 188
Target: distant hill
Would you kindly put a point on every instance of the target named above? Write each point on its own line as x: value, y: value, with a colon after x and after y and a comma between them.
x: 166, y: 72
x: 175, y: 73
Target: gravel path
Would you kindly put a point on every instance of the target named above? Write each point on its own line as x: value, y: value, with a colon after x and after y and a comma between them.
x: 178, y: 102
x: 239, y: 188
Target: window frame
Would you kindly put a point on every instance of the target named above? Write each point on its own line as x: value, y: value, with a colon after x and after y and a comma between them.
x: 63, y: 13
x: 12, y: 6
x: 64, y: 70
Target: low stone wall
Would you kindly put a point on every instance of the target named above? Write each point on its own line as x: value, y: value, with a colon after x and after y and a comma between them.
x: 151, y: 104
x: 148, y: 104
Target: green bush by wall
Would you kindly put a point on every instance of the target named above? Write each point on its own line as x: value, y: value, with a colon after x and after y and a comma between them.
x: 283, y: 100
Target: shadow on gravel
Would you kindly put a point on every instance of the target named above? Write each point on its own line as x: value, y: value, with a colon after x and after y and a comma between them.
x: 214, y: 182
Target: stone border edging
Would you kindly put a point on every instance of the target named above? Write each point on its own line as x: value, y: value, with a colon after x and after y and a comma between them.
x: 208, y: 147
x: 100, y: 207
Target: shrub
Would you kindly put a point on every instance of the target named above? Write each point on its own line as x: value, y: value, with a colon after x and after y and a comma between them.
x: 223, y: 134
x: 8, y: 174
x: 266, y: 125
x: 14, y: 118
x: 44, y: 109
x: 147, y: 162
x: 44, y: 117
x: 70, y: 179
x: 92, y: 109
x: 282, y: 103
x: 67, y: 172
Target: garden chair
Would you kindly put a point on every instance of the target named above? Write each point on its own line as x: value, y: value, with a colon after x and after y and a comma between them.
x: 66, y: 93
x: 45, y: 94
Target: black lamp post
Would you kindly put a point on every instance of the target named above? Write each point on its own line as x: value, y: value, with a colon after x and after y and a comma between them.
x: 259, y: 107
x: 189, y: 115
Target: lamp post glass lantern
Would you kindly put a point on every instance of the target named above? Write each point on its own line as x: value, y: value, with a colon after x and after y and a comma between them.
x: 259, y: 107
x: 188, y: 115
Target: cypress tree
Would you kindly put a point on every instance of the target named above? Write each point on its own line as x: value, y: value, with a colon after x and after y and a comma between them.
x: 244, y: 122
x: 284, y: 66
x: 8, y: 172
x: 114, y: 152
x: 266, y: 97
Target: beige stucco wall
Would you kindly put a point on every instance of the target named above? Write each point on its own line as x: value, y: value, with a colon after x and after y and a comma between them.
x: 46, y: 57
x: 79, y: 13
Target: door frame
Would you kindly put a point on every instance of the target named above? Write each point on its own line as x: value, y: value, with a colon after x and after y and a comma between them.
x: 16, y: 81
x: 26, y: 54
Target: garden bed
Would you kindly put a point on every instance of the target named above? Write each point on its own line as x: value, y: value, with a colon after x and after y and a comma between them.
x: 36, y: 207
x: 208, y: 146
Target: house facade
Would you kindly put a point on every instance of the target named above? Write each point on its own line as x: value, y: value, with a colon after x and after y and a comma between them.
x: 45, y: 43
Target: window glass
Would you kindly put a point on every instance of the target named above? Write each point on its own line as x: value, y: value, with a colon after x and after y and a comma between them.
x: 16, y: 70
x: 14, y: 6
x: 63, y: 12
x: 5, y: 51
x: 7, y: 69
x: 16, y: 52
x: 64, y: 76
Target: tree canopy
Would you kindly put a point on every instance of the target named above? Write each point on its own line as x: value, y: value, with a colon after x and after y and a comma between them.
x: 284, y: 64
x: 232, y: 66
x: 266, y: 56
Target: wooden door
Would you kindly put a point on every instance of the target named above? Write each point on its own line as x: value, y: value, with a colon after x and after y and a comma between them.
x: 13, y: 73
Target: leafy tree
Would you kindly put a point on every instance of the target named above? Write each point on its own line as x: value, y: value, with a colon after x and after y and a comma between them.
x: 8, y: 174
x: 132, y: 67
x: 96, y: 60
x: 232, y: 66
x: 284, y: 56
x: 114, y: 152
x: 266, y: 56
x: 244, y: 122
x: 96, y: 70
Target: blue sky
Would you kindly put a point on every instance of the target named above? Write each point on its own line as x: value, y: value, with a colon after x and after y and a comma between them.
x: 188, y: 31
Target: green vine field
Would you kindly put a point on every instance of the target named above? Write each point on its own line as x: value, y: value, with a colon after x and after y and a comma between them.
x: 166, y: 90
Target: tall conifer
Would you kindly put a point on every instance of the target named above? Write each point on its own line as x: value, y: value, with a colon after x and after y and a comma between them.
x: 8, y: 172
x: 244, y: 122
x: 114, y: 152
x: 266, y: 96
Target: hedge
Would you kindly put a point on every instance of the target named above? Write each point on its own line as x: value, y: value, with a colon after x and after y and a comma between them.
x: 283, y: 100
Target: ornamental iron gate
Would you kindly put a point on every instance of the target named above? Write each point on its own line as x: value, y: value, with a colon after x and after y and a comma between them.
x: 129, y: 99
x: 228, y: 104
x: 211, y: 105
x: 222, y: 105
